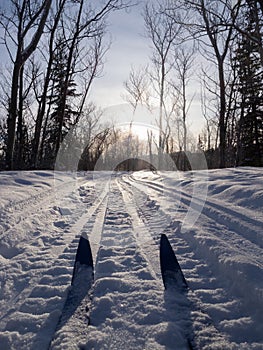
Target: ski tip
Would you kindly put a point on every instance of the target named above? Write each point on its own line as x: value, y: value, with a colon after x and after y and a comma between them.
x: 84, y: 254
x: 172, y: 274
x: 164, y: 239
x: 83, y: 257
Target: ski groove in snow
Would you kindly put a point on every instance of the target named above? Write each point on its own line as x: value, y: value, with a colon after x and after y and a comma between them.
x: 225, y: 268
x: 43, y: 284
x: 127, y: 307
x: 124, y: 279
x: 154, y: 218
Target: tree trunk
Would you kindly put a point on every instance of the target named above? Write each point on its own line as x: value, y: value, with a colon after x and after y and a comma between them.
x: 161, y: 136
x: 20, y: 132
x: 222, y: 114
x: 42, y: 108
x: 72, y: 48
x: 21, y: 57
x: 11, y: 121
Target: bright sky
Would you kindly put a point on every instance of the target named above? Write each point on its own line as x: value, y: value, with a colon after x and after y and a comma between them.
x: 128, y: 48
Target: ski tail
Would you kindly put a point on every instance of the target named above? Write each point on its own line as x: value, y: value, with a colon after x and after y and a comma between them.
x: 83, y: 257
x: 77, y: 298
x: 174, y: 281
x: 172, y: 274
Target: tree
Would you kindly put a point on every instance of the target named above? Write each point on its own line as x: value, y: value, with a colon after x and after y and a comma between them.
x: 184, y: 62
x: 28, y: 19
x: 63, y: 115
x: 94, y: 149
x: 250, y: 87
x: 137, y: 87
x: 256, y: 6
x: 53, y: 26
x: 163, y: 31
x: 212, y: 23
x: 209, y: 105
x: 82, y: 26
x: 82, y: 31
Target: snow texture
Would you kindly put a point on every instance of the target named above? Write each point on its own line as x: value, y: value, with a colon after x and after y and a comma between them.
x: 213, y: 220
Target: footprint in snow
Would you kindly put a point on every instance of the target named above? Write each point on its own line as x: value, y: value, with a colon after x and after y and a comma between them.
x: 60, y: 224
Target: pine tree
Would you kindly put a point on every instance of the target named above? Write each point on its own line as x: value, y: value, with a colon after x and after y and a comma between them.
x: 250, y: 88
x: 62, y: 91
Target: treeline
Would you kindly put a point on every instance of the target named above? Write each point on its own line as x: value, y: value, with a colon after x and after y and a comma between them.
x: 218, y: 42
x: 56, y: 49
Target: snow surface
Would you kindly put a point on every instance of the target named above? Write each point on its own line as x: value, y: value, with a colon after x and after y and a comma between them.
x: 213, y: 219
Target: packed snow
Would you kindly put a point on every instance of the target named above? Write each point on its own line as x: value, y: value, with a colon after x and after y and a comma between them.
x: 213, y: 220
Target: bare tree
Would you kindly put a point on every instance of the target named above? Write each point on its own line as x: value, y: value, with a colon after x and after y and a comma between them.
x: 209, y: 104
x: 53, y: 25
x: 213, y: 24
x: 82, y: 31
x: 137, y: 87
x: 184, y: 67
x: 166, y: 79
x: 162, y: 30
x: 23, y: 24
x: 26, y: 16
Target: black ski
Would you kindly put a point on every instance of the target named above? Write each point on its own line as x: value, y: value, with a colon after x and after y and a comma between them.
x: 173, y: 279
x: 78, y: 297
x: 83, y: 257
x: 172, y: 274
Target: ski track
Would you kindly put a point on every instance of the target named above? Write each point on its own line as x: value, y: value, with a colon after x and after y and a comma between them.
x: 43, y: 260
x: 127, y: 307
x: 124, y: 279
x: 228, y: 283
x: 154, y: 218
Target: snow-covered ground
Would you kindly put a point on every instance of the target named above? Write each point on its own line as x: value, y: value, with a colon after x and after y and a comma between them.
x: 213, y: 219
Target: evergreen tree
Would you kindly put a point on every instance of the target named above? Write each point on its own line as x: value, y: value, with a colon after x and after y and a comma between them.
x: 62, y: 91
x: 250, y: 87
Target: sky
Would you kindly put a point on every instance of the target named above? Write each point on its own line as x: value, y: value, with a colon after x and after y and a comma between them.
x: 128, y: 48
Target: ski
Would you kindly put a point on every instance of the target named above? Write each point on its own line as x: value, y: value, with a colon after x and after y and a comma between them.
x: 172, y: 274
x: 83, y: 258
x: 173, y: 279
x: 75, y: 310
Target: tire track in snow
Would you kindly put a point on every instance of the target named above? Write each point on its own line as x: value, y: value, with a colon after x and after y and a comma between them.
x: 74, y: 329
x: 19, y: 212
x: 28, y: 208
x: 33, y: 250
x: 144, y: 238
x: 231, y: 237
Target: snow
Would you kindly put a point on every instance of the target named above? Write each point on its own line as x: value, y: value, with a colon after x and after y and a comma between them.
x: 213, y: 219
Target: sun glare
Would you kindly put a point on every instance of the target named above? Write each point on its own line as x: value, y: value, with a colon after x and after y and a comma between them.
x: 143, y: 131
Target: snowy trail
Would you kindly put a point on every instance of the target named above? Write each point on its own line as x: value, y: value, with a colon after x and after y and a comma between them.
x: 234, y: 236
x: 124, y: 215
x: 124, y: 280
x: 40, y: 272
x: 243, y: 219
x: 234, y: 262
x: 195, y: 269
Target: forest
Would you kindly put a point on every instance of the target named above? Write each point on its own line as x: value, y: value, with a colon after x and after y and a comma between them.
x: 56, y: 50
